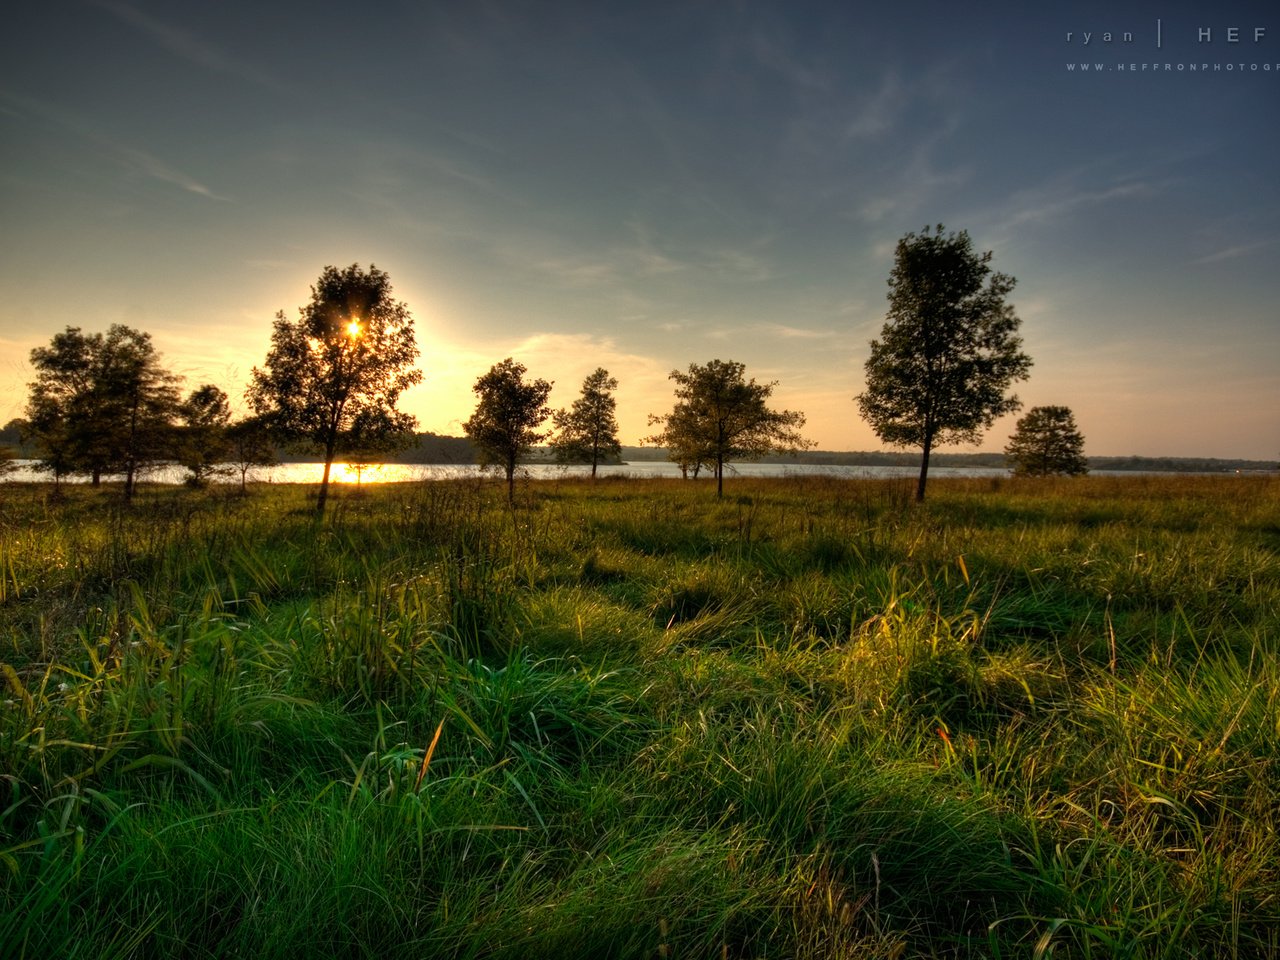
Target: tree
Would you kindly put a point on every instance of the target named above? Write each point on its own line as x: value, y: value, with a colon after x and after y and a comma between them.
x: 101, y: 404
x: 1047, y: 442
x: 949, y: 351
x: 60, y: 414
x: 13, y: 432
x: 508, y: 414
x: 250, y: 444
x: 588, y: 431
x: 332, y: 379
x: 719, y: 417
x: 202, y: 445
x: 139, y: 398
x: 680, y: 434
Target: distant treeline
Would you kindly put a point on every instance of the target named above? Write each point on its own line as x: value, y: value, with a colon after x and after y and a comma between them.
x: 433, y: 448
x: 436, y: 449
x: 881, y: 458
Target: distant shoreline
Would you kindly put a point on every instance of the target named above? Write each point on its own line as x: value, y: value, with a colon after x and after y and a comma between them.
x: 441, y: 451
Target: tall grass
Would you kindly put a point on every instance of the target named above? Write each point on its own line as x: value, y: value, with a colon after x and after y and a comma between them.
x: 1026, y: 719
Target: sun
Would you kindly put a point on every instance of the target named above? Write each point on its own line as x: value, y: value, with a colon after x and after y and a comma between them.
x: 353, y: 328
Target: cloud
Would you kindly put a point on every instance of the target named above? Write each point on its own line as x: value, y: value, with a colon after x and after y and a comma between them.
x: 877, y: 113
x: 1041, y: 208
x: 134, y: 159
x: 771, y: 54
x: 189, y: 47
x: 918, y: 179
x: 155, y: 168
x: 1231, y: 253
x: 795, y: 333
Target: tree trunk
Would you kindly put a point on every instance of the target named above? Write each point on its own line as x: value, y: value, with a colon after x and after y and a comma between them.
x: 719, y: 477
x: 329, y: 449
x: 924, y: 468
x: 324, y: 486
x: 132, y: 448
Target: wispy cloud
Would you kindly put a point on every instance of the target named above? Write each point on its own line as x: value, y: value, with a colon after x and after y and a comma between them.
x: 632, y: 262
x: 155, y: 168
x: 134, y: 159
x: 1041, y: 207
x: 795, y: 333
x: 921, y: 175
x: 579, y: 272
x: 616, y: 267
x: 877, y: 112
x: 771, y: 53
x: 1232, y: 252
x: 186, y: 45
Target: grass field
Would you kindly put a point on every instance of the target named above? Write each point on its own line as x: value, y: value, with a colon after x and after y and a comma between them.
x: 1026, y: 719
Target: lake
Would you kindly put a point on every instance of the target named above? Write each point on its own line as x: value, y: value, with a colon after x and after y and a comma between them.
x: 639, y: 469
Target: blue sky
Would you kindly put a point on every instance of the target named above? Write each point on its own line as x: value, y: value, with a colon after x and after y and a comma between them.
x: 642, y: 186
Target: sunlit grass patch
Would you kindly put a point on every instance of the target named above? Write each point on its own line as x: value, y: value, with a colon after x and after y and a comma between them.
x: 574, y: 620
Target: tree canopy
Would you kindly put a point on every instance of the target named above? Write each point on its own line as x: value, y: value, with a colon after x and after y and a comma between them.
x: 949, y: 350
x: 333, y: 377
x: 60, y: 409
x: 588, y: 431
x: 101, y: 404
x: 202, y: 445
x: 719, y: 416
x: 505, y: 424
x: 1046, y: 442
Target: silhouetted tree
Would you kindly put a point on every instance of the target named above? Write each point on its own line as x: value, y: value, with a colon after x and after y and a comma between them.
x: 508, y: 414
x: 720, y: 416
x: 332, y: 379
x: 1047, y: 442
x: 250, y: 443
x: 588, y: 431
x: 101, y: 404
x: 140, y: 400
x: 14, y: 432
x: 202, y: 445
x: 61, y: 418
x: 949, y: 351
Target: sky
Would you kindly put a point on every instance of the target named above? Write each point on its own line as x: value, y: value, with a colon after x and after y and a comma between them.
x: 646, y: 185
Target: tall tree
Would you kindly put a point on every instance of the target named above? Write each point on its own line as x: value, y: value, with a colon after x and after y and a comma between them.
x: 508, y: 414
x: 588, y: 431
x: 720, y: 416
x: 1047, y: 442
x: 101, y: 404
x: 202, y: 445
x: 332, y: 379
x: 949, y: 351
